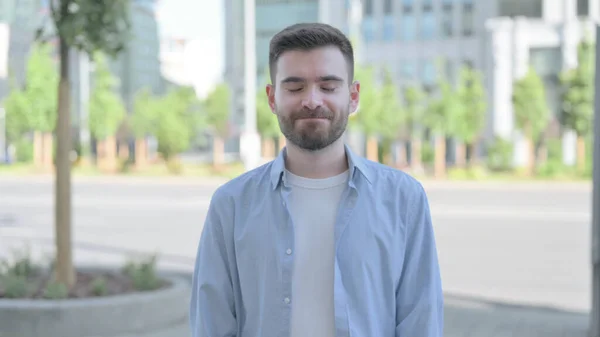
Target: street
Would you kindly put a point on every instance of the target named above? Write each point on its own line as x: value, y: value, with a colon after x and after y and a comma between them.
x: 502, y: 248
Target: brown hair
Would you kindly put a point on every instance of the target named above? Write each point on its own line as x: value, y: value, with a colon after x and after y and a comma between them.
x: 308, y: 36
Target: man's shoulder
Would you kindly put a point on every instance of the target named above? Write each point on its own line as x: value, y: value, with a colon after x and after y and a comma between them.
x: 391, y: 177
x: 247, y: 183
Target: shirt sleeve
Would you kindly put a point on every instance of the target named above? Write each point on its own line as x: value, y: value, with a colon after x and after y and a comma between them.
x: 212, y: 307
x: 419, y: 297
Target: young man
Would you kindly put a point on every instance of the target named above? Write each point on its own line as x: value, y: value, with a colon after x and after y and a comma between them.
x: 319, y: 242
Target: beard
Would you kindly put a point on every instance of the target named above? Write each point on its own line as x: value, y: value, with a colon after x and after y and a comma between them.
x: 313, y: 135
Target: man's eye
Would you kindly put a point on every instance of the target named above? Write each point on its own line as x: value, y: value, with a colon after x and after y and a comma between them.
x: 294, y: 89
x: 328, y: 89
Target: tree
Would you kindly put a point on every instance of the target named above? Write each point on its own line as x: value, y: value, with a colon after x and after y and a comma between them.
x: 142, y: 122
x: 107, y: 111
x: 266, y: 123
x: 414, y: 105
x: 578, y: 97
x: 367, y: 115
x: 217, y: 109
x: 89, y: 26
x: 41, y: 95
x: 178, y: 121
x: 392, y: 114
x: 440, y: 113
x: 470, y: 120
x: 531, y: 111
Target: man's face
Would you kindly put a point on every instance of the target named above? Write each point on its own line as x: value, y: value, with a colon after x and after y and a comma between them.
x: 312, y: 96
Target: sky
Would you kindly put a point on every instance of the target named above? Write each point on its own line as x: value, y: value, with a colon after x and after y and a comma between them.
x: 201, y: 21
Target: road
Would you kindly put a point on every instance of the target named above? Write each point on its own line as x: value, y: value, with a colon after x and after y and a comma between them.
x: 518, y: 244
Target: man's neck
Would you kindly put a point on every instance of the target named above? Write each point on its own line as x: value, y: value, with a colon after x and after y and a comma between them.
x: 324, y: 163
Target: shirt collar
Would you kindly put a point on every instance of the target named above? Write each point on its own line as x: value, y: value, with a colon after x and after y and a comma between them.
x: 355, y: 164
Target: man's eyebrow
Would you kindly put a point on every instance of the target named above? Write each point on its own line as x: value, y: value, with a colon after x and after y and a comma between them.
x: 330, y: 78
x: 292, y: 79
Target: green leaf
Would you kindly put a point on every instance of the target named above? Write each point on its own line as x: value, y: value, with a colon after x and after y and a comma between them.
x: 529, y: 103
x: 107, y: 110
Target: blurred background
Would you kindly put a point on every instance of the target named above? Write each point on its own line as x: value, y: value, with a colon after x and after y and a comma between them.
x: 489, y: 103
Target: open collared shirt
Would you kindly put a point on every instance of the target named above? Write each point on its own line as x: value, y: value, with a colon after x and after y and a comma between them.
x: 387, y: 279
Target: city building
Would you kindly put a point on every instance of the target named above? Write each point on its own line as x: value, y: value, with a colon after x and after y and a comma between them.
x: 501, y: 38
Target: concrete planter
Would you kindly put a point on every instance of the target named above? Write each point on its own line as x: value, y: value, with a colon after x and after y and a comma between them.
x: 153, y: 313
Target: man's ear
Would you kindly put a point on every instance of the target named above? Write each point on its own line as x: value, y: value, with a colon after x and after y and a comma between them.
x: 354, y: 96
x: 270, y: 89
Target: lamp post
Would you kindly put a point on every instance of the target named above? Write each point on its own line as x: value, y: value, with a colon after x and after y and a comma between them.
x: 250, y: 139
x: 595, y: 318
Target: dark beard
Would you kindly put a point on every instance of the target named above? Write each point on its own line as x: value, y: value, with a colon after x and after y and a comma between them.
x: 309, y: 138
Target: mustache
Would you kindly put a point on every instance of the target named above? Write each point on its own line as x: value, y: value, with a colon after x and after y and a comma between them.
x: 317, y: 113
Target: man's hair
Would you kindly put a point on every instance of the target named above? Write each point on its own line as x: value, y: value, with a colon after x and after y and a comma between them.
x: 306, y: 37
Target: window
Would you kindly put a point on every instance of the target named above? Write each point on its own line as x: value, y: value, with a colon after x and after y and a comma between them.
x: 408, y: 27
x: 408, y: 70
x: 389, y: 29
x: 467, y: 20
x: 446, y: 22
x: 368, y: 30
x: 428, y: 26
x: 428, y: 75
x: 388, y: 7
x: 367, y: 7
x: 427, y: 5
x: 407, y: 6
x: 583, y: 7
x: 527, y: 8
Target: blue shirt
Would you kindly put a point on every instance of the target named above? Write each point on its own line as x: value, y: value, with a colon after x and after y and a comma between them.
x: 387, y: 279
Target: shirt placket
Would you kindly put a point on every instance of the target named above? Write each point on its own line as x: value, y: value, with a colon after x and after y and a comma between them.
x: 342, y: 319
x: 287, y: 255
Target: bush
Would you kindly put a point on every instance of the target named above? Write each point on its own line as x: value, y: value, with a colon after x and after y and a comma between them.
x: 56, y: 291
x: 143, y: 274
x: 500, y: 155
x: 14, y: 286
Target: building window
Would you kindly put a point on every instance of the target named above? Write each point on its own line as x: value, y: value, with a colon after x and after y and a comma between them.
x: 389, y: 28
x: 467, y: 20
x: 428, y: 25
x: 446, y: 22
x: 408, y: 70
x: 427, y: 5
x: 368, y: 7
x: 368, y: 30
x: 583, y: 7
x: 428, y: 76
x: 407, y: 6
x: 527, y: 8
x: 388, y: 7
x: 408, y: 27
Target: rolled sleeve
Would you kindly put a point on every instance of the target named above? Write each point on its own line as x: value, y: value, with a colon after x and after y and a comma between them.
x: 212, y: 307
x: 419, y: 297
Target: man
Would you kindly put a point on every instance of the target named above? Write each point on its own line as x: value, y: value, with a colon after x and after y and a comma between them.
x: 319, y: 242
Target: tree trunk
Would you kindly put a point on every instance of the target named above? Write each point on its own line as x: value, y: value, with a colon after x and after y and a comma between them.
x: 123, y: 151
x: 542, y: 154
x: 141, y: 153
x: 470, y: 156
x: 372, y: 149
x: 109, y: 153
x: 64, y: 271
x: 530, y: 156
x: 48, y: 151
x: 440, y: 157
x: 416, y: 161
x: 580, y: 153
x: 461, y: 155
x: 401, y: 158
x: 218, y: 149
x: 38, y: 150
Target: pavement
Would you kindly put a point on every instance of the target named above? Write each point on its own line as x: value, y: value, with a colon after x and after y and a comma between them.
x: 515, y: 258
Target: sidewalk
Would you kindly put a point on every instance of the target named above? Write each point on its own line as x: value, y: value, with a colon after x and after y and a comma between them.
x: 473, y: 318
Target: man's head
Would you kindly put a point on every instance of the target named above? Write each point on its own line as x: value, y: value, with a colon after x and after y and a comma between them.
x: 312, y: 91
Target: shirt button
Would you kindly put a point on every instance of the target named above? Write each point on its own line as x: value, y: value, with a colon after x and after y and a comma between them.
x: 288, y: 252
x: 287, y: 300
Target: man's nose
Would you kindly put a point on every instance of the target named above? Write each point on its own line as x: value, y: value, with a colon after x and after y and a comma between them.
x: 313, y: 99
